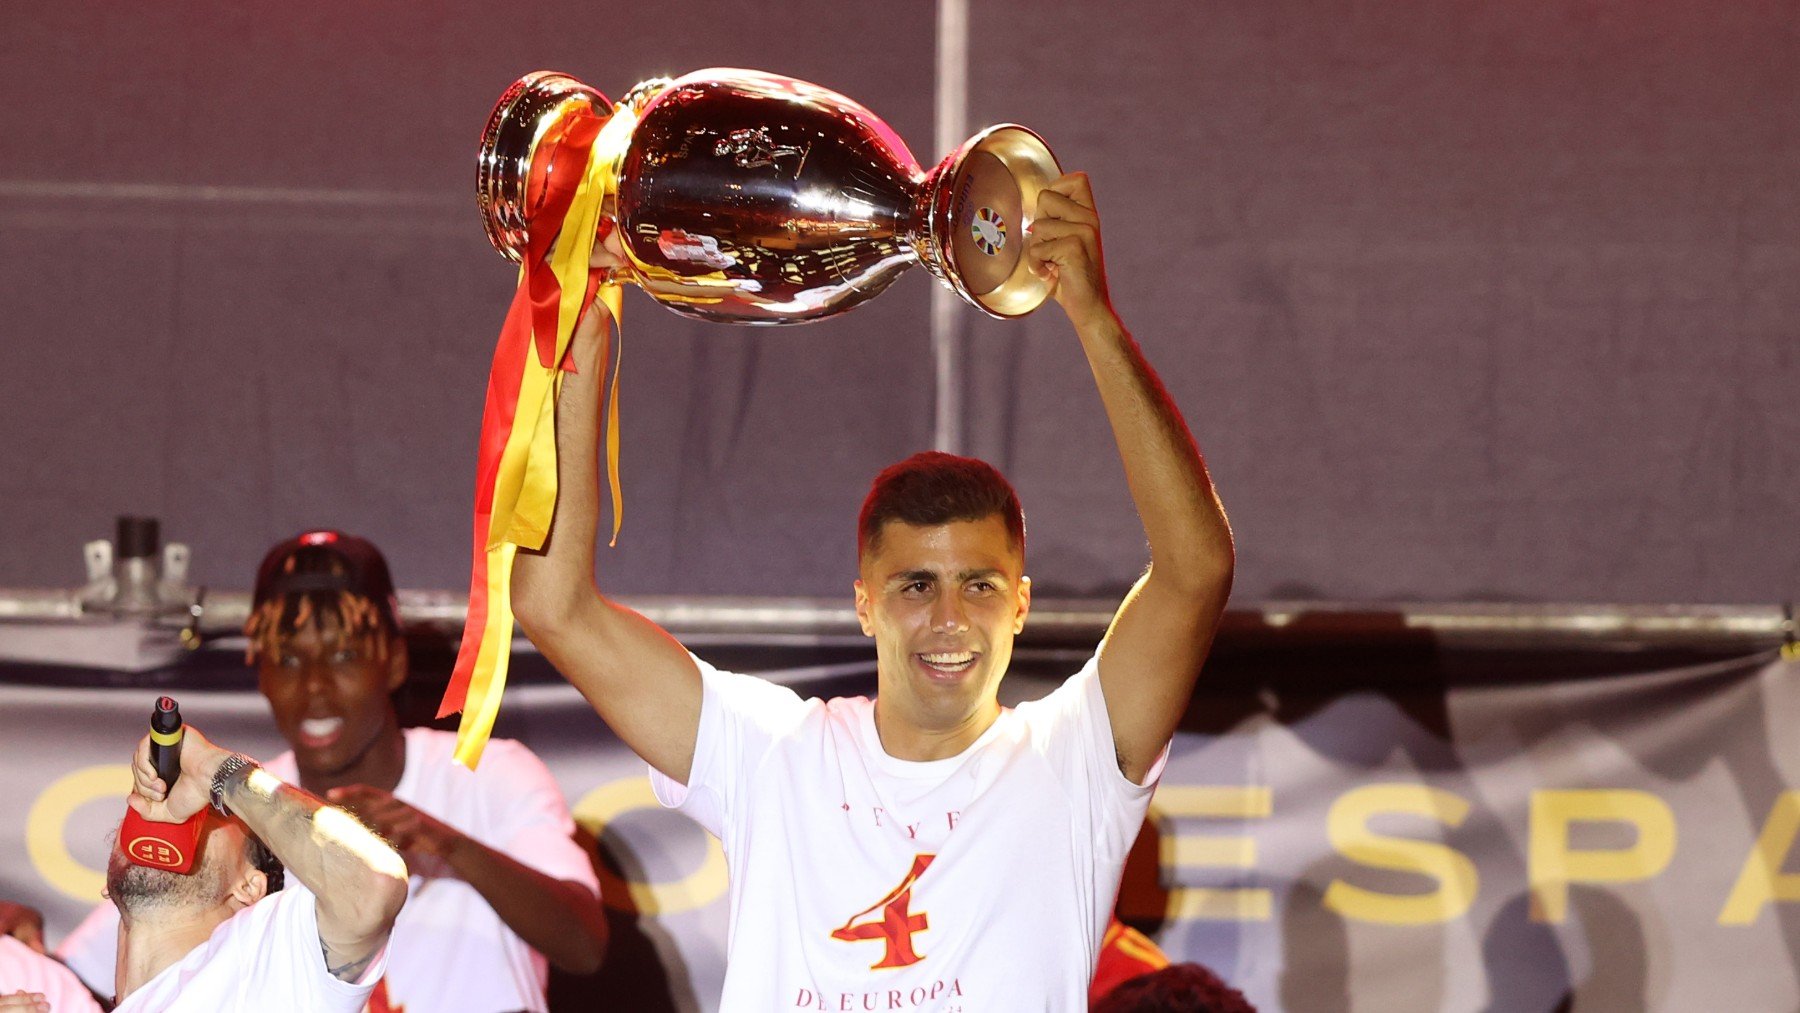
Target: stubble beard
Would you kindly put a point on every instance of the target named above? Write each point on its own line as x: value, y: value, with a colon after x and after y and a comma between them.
x: 137, y: 890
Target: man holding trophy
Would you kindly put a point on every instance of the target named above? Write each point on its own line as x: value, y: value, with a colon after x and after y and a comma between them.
x: 927, y: 849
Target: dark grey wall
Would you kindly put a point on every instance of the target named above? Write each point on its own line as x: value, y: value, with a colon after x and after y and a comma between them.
x: 244, y: 368
x: 1465, y: 300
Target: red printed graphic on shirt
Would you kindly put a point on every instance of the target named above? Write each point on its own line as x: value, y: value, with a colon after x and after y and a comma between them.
x: 379, y: 1001
x: 895, y: 925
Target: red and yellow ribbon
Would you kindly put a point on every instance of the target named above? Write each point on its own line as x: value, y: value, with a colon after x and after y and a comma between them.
x: 515, y: 482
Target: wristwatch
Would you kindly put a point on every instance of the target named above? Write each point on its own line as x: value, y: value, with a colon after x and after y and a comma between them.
x: 230, y: 768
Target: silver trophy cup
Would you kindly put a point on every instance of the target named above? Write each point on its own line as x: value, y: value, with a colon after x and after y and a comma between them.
x: 745, y: 197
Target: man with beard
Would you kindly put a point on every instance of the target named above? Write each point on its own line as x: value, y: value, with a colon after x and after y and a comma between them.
x: 499, y: 885
x: 225, y: 936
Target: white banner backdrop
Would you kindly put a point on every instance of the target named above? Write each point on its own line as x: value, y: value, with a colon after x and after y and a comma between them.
x: 1603, y: 843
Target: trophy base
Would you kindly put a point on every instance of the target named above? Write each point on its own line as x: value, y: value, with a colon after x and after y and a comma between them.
x: 994, y: 181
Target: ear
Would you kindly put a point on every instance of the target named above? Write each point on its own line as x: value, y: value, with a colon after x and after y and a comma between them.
x: 249, y: 888
x: 862, y: 609
x: 1024, y: 605
x: 397, y: 662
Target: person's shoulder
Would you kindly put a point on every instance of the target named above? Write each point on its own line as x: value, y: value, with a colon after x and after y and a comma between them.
x: 15, y: 954
x: 293, y: 900
x: 844, y: 708
x: 769, y: 713
x: 1071, y: 691
x: 847, y: 723
x: 23, y: 967
x: 431, y: 753
x: 756, y: 693
x: 807, y: 711
x: 1073, y: 704
x: 432, y: 741
x: 251, y: 927
x: 435, y: 746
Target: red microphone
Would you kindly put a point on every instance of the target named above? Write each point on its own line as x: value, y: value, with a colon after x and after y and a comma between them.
x: 156, y: 845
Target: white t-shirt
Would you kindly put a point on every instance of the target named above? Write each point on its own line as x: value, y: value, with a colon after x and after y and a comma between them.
x: 22, y: 967
x: 981, y: 883
x: 449, y: 950
x: 265, y: 957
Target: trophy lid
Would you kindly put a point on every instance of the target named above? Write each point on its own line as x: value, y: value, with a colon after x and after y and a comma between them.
x: 526, y: 111
x: 982, y: 214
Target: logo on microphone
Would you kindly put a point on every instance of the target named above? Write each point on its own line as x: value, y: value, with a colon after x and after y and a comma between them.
x: 155, y: 852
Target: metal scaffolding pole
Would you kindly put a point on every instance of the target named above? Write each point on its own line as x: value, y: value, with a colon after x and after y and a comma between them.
x: 821, y: 620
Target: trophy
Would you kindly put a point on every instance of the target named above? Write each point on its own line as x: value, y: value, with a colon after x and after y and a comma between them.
x: 728, y: 195
x: 745, y: 197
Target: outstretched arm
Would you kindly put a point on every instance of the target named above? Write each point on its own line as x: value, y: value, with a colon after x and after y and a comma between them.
x: 1152, y: 652
x: 639, y: 680
x: 358, y: 880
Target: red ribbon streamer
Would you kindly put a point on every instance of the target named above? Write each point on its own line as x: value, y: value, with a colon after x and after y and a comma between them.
x: 556, y: 171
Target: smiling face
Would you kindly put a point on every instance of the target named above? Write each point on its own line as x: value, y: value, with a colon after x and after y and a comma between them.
x: 328, y: 690
x: 943, y: 603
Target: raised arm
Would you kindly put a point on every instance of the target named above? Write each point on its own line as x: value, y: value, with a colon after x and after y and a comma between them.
x: 359, y: 882
x: 639, y: 680
x: 1152, y: 652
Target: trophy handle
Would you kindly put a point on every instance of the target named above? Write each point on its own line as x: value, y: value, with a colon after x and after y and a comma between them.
x: 980, y: 200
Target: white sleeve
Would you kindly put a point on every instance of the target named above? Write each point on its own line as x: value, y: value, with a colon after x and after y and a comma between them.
x: 1071, y: 728
x: 535, y: 828
x: 741, y: 716
x: 92, y: 949
x: 287, y: 959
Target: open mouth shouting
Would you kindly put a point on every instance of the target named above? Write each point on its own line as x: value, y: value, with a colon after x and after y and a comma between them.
x: 317, y: 733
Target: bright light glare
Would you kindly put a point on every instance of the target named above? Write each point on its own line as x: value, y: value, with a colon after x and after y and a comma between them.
x: 837, y: 205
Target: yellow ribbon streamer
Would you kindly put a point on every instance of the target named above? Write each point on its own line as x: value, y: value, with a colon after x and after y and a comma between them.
x: 525, y: 486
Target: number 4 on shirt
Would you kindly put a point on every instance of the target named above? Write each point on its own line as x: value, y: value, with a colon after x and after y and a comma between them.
x: 895, y: 925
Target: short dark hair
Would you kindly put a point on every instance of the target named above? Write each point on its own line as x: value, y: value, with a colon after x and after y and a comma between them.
x: 265, y: 862
x: 932, y: 488
x: 320, y: 576
x: 1178, y: 988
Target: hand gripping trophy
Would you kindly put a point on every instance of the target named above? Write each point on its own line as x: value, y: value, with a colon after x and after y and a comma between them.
x: 736, y: 196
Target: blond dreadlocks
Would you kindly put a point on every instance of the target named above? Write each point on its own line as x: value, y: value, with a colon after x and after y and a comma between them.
x: 363, y: 623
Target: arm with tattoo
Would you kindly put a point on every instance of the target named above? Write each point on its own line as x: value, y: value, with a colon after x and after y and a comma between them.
x: 358, y: 880
x: 350, y: 970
